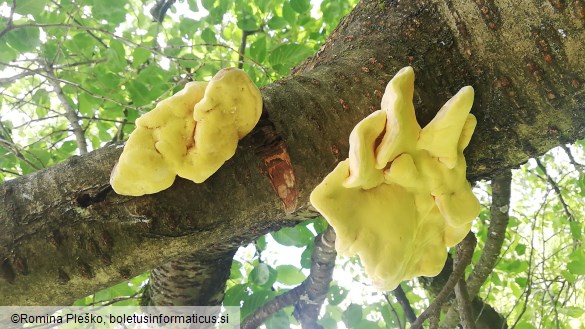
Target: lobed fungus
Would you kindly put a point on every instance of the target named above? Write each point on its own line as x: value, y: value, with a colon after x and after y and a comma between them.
x: 402, y: 198
x: 190, y: 134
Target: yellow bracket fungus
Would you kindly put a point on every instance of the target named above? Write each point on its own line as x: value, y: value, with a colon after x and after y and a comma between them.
x: 190, y: 134
x: 402, y: 198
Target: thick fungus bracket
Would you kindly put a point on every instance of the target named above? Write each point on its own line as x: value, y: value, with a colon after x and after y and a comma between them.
x: 402, y: 198
x: 190, y: 134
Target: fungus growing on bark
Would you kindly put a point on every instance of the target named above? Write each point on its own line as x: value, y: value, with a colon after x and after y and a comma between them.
x: 190, y: 134
x: 402, y: 198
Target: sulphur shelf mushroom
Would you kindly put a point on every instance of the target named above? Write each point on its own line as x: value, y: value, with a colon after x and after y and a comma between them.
x: 402, y: 198
x: 190, y: 134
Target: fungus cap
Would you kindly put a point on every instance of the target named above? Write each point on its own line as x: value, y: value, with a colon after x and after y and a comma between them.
x: 399, y: 205
x: 190, y: 134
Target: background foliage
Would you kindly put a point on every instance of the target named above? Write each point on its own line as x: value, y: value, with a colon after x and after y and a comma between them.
x: 81, y: 71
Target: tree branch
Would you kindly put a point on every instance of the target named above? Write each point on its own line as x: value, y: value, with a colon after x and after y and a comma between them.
x: 465, y: 311
x: 464, y: 252
x: 197, y: 279
x: 404, y: 303
x: 500, y: 207
x: 160, y: 8
x: 309, y: 295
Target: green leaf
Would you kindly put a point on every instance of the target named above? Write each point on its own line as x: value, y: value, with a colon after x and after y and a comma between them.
x: 264, y: 5
x: 334, y: 312
x: 576, y: 267
x: 110, y: 11
x: 320, y: 225
x: 234, y: 295
x: 67, y: 149
x: 520, y: 249
x: 24, y: 39
x: 138, y: 92
x: 193, y: 5
x: 352, y: 316
x: 82, y: 42
x: 103, y: 133
x: 331, y: 10
x: 289, y: 275
x: 300, y: 6
x: 188, y: 26
x: 298, y: 236
x: 336, y: 294
x: 278, y: 320
x: 247, y: 21
x: 235, y: 270
x: 289, y: 14
x: 139, y: 56
x: 260, y: 274
x: 7, y: 54
x: 85, y: 104
x: 286, y: 56
x: 576, y: 230
x: 189, y: 61
x: 581, y: 185
x: 257, y: 299
x: 33, y: 7
x: 577, y: 264
x: 572, y: 311
x: 208, y: 4
x: 525, y: 325
x: 41, y: 97
x: 208, y: 36
x: 116, y: 57
x: 306, y: 256
x: 521, y: 282
x: 277, y: 22
x: 516, y: 266
x: 261, y: 243
x: 258, y: 49
x: 571, y: 278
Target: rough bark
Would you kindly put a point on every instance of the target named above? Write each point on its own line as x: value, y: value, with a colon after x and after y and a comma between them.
x: 66, y: 234
x: 198, y: 279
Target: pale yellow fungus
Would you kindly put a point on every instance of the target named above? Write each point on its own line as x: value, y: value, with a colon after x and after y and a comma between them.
x: 400, y: 204
x: 402, y: 129
x: 190, y: 134
x: 362, y: 159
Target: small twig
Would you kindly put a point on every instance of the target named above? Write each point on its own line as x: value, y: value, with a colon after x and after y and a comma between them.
x: 465, y: 251
x: 404, y: 303
x: 577, y: 165
x: 10, y: 172
x: 393, y: 310
x: 10, y: 22
x: 70, y: 113
x: 242, y: 50
x: 79, y: 23
x: 557, y: 190
x: 28, y: 72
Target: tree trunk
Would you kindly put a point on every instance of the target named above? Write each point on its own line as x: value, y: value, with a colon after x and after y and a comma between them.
x: 65, y: 233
